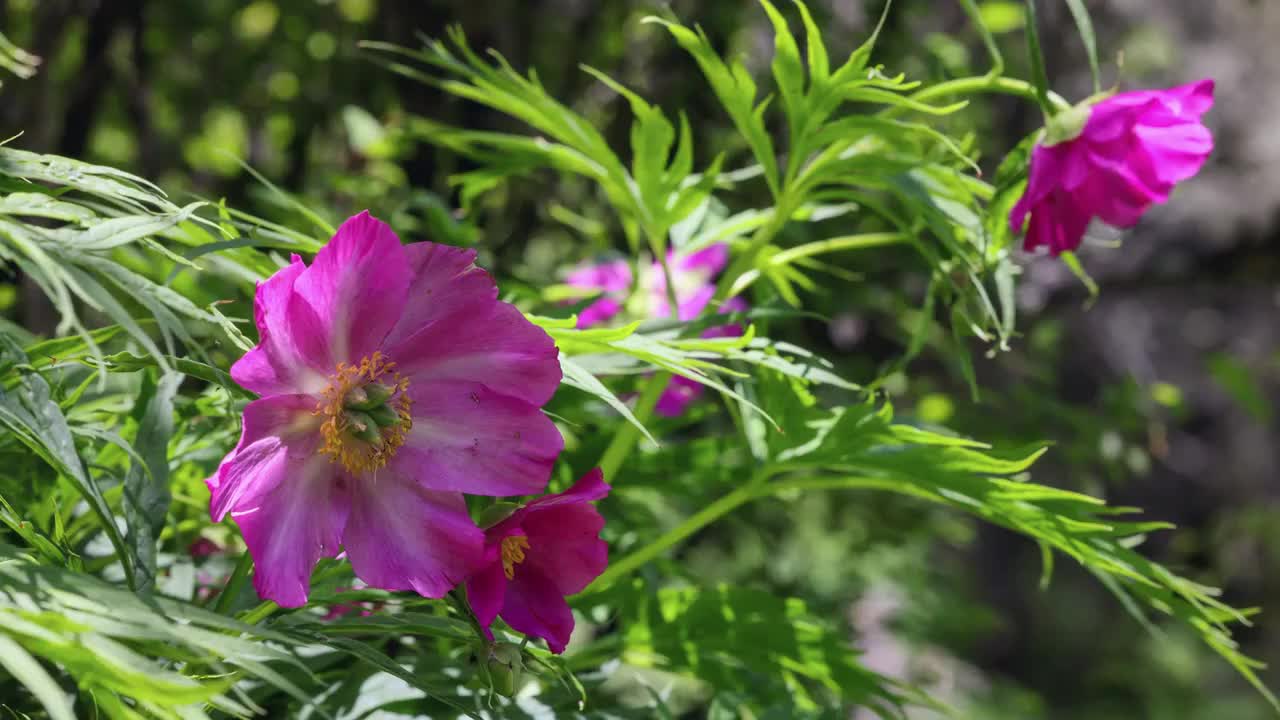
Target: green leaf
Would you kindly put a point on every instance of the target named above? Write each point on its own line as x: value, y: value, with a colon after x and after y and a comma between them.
x: 26, y: 670
x: 35, y: 420
x: 1035, y: 56
x: 146, y: 488
x: 1239, y: 382
x: 115, y: 644
x: 576, y: 376
x: 982, y: 17
x: 778, y: 649
x: 733, y: 85
x: 1080, y: 14
x: 819, y: 64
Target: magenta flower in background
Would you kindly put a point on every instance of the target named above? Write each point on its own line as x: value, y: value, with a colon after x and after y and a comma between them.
x: 392, y: 381
x: 537, y: 556
x: 1131, y: 151
x: 694, y: 277
x: 612, y: 279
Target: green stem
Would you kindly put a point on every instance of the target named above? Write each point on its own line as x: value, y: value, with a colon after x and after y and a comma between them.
x: 235, y: 583
x: 624, y: 441
x: 673, y: 302
x: 694, y: 523
x: 847, y: 242
x: 754, y: 490
x: 980, y: 84
x: 460, y: 604
x: 260, y: 613
x: 745, y: 261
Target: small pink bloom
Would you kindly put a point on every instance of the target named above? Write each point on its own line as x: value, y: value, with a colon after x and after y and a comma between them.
x: 693, y: 275
x: 392, y: 381
x: 343, y: 609
x: 612, y: 279
x: 1133, y: 148
x: 204, y: 547
x: 537, y: 556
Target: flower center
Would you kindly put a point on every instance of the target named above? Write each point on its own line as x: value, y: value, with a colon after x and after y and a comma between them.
x: 366, y: 413
x: 513, y: 547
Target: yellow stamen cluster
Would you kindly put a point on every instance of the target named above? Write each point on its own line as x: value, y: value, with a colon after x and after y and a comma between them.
x: 341, y: 431
x: 513, y: 547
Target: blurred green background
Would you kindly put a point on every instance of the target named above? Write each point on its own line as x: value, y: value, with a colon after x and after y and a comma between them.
x: 1160, y: 394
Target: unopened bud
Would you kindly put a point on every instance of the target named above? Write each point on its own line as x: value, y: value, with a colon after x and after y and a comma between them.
x: 504, y: 667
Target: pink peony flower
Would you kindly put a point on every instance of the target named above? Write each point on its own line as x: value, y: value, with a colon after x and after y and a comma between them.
x: 393, y: 380
x: 1131, y: 150
x: 537, y: 556
x: 693, y: 275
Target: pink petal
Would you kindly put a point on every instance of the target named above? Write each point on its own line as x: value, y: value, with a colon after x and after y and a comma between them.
x: 709, y: 260
x: 1043, y: 176
x: 1058, y: 224
x: 485, y: 341
x: 292, y: 516
x: 357, y: 286
x: 1191, y: 100
x: 487, y: 590
x: 467, y: 438
x: 1116, y: 192
x: 693, y: 303
x: 402, y: 536
x: 292, y: 352
x: 679, y: 393
x: 589, y: 487
x: 534, y: 606
x: 1195, y: 98
x: 444, y: 281
x: 732, y: 305
x: 1175, y: 153
x: 612, y: 277
x: 598, y: 312
x: 277, y: 430
x: 564, y: 544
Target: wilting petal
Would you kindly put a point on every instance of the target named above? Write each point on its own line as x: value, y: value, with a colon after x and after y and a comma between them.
x: 1132, y: 150
x: 444, y: 281
x: 467, y: 438
x: 292, y: 352
x: 292, y: 516
x: 487, y: 342
x: 1056, y: 224
x: 277, y: 431
x: 1117, y: 194
x: 534, y: 606
x: 357, y: 286
x: 401, y: 536
x: 487, y: 590
x: 1042, y: 176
